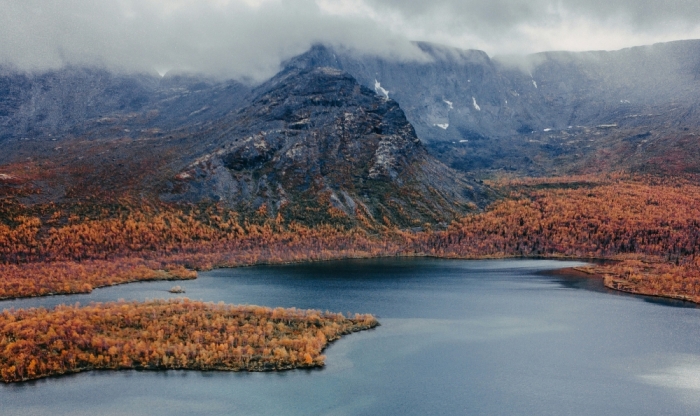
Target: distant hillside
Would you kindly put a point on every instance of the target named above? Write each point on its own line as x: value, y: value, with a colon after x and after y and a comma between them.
x: 73, y: 102
x: 539, y: 114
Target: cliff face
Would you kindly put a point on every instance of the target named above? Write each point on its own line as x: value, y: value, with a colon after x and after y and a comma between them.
x: 312, y: 139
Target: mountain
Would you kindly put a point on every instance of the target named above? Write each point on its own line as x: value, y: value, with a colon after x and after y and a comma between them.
x: 376, y: 135
x: 313, y: 139
x: 311, y: 145
x: 537, y: 114
x: 73, y: 102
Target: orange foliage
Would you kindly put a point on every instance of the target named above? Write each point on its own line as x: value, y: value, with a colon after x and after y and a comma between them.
x: 74, y: 249
x: 656, y: 278
x: 652, y: 227
x: 171, y: 232
x: 176, y: 334
x: 601, y: 220
x: 66, y: 253
x: 64, y: 277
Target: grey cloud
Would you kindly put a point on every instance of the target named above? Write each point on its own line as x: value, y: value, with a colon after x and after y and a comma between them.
x: 501, y: 14
x: 248, y: 39
x: 229, y: 39
x: 525, y: 26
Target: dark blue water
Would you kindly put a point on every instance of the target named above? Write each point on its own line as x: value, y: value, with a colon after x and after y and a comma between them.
x: 457, y: 337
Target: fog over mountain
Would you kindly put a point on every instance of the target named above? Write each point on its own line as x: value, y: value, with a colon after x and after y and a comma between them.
x: 546, y: 113
x: 248, y: 39
x: 76, y: 69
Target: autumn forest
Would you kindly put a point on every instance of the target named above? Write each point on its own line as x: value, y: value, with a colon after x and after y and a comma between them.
x: 157, y: 335
x: 649, y: 229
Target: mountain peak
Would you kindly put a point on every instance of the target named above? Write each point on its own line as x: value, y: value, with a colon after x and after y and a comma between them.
x: 315, y: 138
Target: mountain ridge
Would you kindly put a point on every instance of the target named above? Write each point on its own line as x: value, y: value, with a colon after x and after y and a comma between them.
x: 312, y: 146
x: 316, y: 134
x: 480, y: 113
x: 551, y: 113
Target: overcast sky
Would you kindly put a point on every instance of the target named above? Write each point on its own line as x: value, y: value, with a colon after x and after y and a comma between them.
x: 249, y: 38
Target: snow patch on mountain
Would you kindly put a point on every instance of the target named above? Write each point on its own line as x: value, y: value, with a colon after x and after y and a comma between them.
x: 379, y: 90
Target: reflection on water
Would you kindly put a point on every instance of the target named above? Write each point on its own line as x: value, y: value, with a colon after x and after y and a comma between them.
x: 575, y: 279
x: 457, y: 337
x: 682, y: 375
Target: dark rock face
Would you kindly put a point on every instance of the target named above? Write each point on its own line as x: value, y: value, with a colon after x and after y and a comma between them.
x: 315, y: 137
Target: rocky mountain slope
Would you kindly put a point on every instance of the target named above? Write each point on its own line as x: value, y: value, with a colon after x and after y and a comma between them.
x: 310, y: 145
x: 313, y: 139
x: 535, y: 114
x: 74, y: 102
x: 316, y: 136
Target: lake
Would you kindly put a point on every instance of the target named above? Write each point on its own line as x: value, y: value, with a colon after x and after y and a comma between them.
x: 456, y: 337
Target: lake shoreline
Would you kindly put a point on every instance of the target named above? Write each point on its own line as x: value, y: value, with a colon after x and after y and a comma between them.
x: 611, y: 281
x: 456, y: 337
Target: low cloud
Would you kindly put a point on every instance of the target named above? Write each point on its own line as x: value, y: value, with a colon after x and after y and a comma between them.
x: 248, y: 39
x: 237, y: 39
x: 527, y: 26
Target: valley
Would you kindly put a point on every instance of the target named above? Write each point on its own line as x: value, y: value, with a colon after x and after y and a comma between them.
x: 139, y: 178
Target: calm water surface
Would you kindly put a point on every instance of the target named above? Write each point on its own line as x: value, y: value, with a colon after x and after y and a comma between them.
x: 457, y: 337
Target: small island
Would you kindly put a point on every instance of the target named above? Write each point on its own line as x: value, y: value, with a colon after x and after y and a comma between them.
x: 162, y: 335
x: 176, y: 289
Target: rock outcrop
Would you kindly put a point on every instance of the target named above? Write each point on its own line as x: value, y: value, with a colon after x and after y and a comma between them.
x: 315, y: 138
